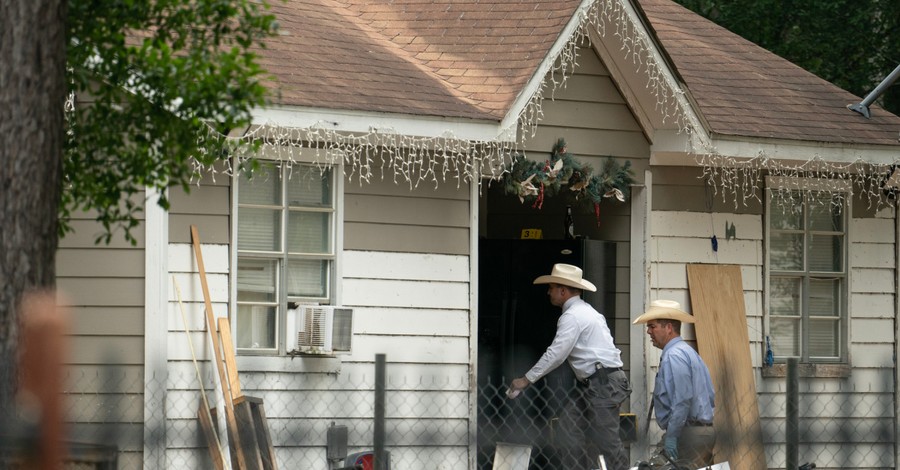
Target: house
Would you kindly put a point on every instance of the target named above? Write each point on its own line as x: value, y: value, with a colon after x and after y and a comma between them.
x: 390, y: 119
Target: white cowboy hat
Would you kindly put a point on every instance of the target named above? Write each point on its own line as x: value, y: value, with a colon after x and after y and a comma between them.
x: 567, y: 275
x: 664, y: 310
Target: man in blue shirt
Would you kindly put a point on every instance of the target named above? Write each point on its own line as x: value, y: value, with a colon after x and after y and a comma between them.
x: 590, y: 423
x: 683, y: 394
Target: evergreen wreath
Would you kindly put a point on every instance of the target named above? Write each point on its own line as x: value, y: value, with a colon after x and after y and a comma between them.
x: 533, y: 181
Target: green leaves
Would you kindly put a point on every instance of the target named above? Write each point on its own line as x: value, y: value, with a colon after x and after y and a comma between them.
x: 532, y: 181
x: 851, y: 43
x: 150, y: 78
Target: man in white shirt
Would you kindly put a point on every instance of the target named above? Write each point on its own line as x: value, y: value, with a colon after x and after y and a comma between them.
x: 590, y: 423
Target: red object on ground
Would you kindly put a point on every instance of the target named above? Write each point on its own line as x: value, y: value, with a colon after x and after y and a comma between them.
x: 367, y: 461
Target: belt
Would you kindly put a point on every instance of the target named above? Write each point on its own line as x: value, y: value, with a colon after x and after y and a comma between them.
x: 694, y: 422
x: 599, y: 366
x: 600, y: 373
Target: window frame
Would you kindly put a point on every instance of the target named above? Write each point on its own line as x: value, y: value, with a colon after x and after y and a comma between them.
x: 807, y: 185
x: 287, y: 157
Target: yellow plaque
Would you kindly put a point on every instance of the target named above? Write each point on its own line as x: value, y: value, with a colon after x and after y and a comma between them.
x: 532, y: 233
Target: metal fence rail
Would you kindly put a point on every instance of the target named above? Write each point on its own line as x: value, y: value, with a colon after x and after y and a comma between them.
x: 426, y: 422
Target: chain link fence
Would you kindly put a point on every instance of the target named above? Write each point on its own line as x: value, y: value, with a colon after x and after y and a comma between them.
x: 427, y: 421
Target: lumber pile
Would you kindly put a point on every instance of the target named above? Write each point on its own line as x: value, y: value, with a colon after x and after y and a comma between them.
x: 249, y: 441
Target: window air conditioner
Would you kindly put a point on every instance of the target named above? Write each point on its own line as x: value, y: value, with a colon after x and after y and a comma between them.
x: 321, y: 329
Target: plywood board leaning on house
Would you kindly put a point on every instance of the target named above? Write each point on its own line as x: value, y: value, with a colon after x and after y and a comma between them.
x: 717, y: 302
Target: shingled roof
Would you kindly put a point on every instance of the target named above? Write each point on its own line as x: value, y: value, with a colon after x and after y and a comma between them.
x: 473, y: 58
x: 447, y: 58
x: 741, y: 89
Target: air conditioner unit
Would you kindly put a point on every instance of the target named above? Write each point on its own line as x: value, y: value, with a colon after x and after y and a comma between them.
x: 321, y: 329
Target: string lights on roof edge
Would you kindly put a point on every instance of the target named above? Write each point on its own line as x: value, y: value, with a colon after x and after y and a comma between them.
x: 418, y: 161
x: 872, y: 182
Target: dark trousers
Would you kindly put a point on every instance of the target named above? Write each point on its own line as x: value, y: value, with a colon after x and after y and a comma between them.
x: 590, y: 422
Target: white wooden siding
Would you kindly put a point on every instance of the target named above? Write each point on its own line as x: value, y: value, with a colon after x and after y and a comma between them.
x: 435, y: 285
x: 412, y: 307
x: 877, y: 380
x: 592, y: 116
x: 856, y: 408
x: 406, y: 266
x: 388, y: 217
x: 417, y: 322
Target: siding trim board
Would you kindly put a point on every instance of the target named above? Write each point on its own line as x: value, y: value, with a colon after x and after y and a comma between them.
x: 896, y: 299
x: 474, y: 216
x: 680, y: 237
x: 641, y: 228
x: 155, y: 331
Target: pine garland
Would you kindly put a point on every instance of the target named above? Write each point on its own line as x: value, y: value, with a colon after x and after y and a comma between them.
x: 533, y: 181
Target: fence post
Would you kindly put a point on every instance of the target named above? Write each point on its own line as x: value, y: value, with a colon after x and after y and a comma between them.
x: 379, y: 412
x: 792, y: 426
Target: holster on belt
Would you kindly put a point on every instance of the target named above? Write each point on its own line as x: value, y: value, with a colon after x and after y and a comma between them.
x: 601, y: 375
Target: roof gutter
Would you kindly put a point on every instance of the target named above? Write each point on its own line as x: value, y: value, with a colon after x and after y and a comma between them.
x: 363, y: 122
x: 669, y: 149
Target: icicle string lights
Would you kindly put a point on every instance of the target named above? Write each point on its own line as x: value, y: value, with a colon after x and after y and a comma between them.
x: 416, y: 160
x: 379, y: 154
x: 742, y: 180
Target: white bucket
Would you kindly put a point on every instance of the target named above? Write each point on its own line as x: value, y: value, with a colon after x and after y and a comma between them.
x: 511, y: 456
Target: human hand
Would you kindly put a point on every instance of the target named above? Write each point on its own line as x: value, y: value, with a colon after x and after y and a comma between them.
x: 671, y: 446
x: 516, y: 387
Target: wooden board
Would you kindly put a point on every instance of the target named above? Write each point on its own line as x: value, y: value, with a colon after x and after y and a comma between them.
x: 260, y: 426
x: 231, y: 423
x: 208, y: 428
x: 717, y: 302
x: 247, y: 429
x: 234, y: 381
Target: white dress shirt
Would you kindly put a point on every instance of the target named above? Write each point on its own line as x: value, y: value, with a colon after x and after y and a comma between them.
x: 582, y: 337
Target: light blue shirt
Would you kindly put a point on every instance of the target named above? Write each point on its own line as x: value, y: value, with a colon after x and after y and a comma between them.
x: 683, y: 390
x: 582, y: 337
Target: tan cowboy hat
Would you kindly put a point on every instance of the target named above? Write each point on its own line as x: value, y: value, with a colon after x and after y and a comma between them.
x: 664, y: 310
x: 567, y: 275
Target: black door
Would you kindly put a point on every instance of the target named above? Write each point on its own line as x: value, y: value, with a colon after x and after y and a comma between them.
x: 516, y: 323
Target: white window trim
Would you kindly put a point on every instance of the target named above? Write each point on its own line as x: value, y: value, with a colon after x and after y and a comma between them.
x: 267, y: 362
x: 776, y: 183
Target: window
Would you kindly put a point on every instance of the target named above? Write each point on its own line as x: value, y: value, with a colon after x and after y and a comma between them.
x: 807, y: 275
x: 286, y: 243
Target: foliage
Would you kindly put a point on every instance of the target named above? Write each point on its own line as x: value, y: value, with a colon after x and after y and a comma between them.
x: 854, y: 44
x: 533, y: 181
x: 149, y: 77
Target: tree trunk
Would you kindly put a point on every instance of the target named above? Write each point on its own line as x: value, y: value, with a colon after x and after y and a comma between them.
x: 32, y: 95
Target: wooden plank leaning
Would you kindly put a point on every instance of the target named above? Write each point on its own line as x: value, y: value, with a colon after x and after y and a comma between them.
x: 717, y: 302
x: 249, y: 411
x: 207, y: 423
x: 238, y: 459
x: 242, y: 412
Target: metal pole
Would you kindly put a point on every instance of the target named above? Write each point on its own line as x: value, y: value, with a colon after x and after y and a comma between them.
x: 792, y: 426
x: 379, y: 412
x: 863, y: 106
